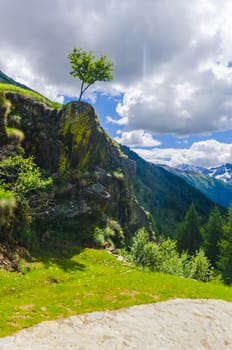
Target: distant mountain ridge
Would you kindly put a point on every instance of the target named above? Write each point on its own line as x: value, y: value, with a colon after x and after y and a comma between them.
x: 167, y: 196
x: 221, y: 172
x: 208, y: 181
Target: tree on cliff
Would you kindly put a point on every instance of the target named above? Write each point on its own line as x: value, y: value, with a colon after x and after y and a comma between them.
x: 88, y: 69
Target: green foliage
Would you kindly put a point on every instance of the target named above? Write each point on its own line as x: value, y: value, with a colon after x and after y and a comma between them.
x: 164, y: 257
x: 138, y: 247
x: 15, y: 133
x: 7, y: 209
x: 110, y: 235
x: 88, y: 69
x: 212, y: 233
x: 188, y: 233
x: 225, y: 250
x: 99, y: 237
x: 200, y: 267
x: 21, y: 176
x: 5, y: 196
x: 23, y: 266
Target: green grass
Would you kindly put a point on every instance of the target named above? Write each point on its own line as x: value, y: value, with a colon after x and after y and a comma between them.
x: 13, y: 88
x: 85, y: 280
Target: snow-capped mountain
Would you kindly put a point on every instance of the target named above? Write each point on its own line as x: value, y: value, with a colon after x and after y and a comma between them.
x: 208, y: 181
x: 221, y: 172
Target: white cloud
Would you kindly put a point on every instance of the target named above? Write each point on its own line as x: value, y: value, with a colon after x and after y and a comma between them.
x: 203, y: 153
x: 137, y: 138
x: 170, y: 56
x: 181, y: 105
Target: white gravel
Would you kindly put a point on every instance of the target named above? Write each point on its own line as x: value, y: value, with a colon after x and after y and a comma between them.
x: 174, y: 325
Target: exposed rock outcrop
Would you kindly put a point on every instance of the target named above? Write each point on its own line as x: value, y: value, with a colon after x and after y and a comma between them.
x: 93, y: 179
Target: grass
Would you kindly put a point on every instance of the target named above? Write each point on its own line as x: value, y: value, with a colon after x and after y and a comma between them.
x: 76, y: 281
x: 13, y: 88
x: 15, y: 133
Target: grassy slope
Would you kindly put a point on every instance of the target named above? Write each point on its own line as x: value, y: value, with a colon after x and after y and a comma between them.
x: 13, y: 88
x: 81, y: 281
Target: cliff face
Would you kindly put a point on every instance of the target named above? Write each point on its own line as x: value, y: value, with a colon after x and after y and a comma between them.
x: 93, y: 179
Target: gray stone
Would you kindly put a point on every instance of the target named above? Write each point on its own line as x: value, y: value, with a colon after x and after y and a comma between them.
x: 176, y: 324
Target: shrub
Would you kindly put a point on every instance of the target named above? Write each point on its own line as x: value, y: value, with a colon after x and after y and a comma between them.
x: 164, y: 257
x: 19, y: 178
x: 200, y: 267
x: 138, y: 247
x: 98, y: 237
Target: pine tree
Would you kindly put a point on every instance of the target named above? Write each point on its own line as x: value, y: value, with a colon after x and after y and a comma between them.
x: 212, y: 233
x: 188, y: 233
x: 225, y: 250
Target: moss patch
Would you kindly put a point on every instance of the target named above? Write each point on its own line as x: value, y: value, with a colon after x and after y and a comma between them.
x: 13, y: 88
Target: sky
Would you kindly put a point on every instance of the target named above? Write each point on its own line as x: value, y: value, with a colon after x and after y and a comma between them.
x: 171, y: 97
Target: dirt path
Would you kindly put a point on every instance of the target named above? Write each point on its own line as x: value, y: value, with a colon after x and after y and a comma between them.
x: 173, y: 325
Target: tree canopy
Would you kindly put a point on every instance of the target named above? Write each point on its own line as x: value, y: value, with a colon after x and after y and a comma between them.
x: 212, y: 233
x: 225, y: 250
x: 188, y: 233
x: 88, y: 69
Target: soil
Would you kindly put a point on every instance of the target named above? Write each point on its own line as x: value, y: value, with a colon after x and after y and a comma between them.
x: 10, y: 255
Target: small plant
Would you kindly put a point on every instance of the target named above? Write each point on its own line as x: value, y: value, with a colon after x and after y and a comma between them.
x: 23, y: 266
x: 118, y: 174
x: 99, y: 237
x: 14, y: 133
x: 110, y: 235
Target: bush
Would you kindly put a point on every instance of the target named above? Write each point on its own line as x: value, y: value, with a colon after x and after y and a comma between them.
x: 109, y: 236
x: 19, y: 178
x: 200, y: 267
x: 7, y: 209
x: 164, y: 257
x: 138, y: 247
x: 98, y: 237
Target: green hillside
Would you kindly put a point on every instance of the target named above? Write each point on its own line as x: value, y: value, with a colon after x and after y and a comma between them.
x: 166, y: 196
x: 5, y: 79
x: 218, y: 191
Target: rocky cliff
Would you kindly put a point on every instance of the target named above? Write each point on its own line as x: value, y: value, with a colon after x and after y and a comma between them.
x: 92, y: 178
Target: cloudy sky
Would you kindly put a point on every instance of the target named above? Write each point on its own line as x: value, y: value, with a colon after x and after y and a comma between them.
x: 171, y: 97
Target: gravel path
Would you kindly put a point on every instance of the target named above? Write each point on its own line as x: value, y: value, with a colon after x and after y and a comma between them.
x: 176, y: 324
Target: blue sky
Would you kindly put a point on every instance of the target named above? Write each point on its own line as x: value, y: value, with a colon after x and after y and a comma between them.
x: 171, y: 97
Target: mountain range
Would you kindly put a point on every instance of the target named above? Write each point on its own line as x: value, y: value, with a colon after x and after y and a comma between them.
x: 166, y: 195
x: 215, y: 183
x: 222, y: 172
